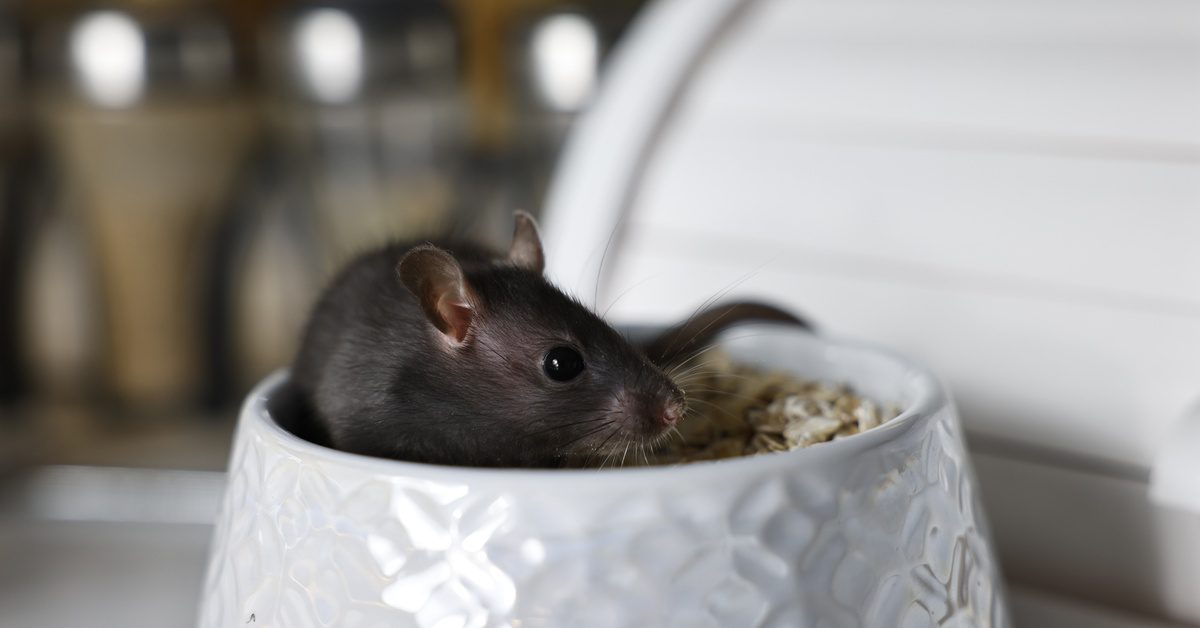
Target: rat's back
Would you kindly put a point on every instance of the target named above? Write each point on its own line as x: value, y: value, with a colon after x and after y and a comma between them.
x: 366, y: 323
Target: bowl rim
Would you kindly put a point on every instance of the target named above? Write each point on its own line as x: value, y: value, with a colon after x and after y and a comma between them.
x: 930, y: 398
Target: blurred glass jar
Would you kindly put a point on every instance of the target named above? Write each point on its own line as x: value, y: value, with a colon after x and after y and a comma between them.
x: 48, y: 330
x: 366, y: 97
x: 558, y: 71
x: 11, y: 145
x: 148, y: 127
x: 558, y: 56
x: 268, y: 276
x: 11, y: 75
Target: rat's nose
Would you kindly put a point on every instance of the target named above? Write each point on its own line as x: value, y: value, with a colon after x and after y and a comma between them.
x: 670, y: 414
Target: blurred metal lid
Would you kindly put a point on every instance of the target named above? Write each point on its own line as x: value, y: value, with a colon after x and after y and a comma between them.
x: 116, y: 58
x: 337, y: 54
x: 11, y: 59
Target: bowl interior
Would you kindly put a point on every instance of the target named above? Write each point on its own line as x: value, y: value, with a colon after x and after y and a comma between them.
x: 876, y: 373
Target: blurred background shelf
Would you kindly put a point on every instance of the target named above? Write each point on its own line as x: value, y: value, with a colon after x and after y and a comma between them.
x: 179, y: 178
x: 73, y: 435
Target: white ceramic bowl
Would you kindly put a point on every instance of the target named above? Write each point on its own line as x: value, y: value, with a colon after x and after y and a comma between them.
x: 879, y: 529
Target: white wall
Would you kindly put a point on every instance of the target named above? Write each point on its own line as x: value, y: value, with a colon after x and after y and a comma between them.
x: 1009, y: 191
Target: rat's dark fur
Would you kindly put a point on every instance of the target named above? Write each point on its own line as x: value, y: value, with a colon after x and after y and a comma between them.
x: 380, y: 379
x: 435, y: 354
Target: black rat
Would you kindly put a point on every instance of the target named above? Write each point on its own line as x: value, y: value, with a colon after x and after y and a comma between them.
x: 454, y: 354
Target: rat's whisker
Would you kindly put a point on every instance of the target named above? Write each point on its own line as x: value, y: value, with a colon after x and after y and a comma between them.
x: 678, y: 331
x: 716, y: 373
x: 717, y: 408
x: 585, y: 435
x: 562, y: 426
x: 623, y: 293
x: 603, y: 256
x: 724, y: 393
x: 597, y: 448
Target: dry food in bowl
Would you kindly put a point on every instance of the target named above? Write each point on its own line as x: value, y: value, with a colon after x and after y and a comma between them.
x: 879, y: 529
x: 741, y: 410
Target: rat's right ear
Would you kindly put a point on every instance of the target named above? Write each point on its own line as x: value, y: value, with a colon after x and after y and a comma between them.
x: 437, y: 280
x: 526, y: 249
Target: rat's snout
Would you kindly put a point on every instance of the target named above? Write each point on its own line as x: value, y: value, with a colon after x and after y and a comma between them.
x: 672, y: 408
x: 670, y: 414
x: 650, y: 414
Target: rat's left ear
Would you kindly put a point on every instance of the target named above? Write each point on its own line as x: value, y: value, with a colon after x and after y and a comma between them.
x: 526, y: 249
x: 437, y: 280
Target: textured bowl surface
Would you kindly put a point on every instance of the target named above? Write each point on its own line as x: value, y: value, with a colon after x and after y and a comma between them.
x: 879, y: 529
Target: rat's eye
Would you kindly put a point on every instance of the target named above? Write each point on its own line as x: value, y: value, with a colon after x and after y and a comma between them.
x: 563, y: 364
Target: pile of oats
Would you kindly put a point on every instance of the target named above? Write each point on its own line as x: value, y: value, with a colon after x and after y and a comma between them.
x: 739, y: 410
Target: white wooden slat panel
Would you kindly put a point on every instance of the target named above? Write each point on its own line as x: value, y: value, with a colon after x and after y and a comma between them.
x: 1091, y: 536
x: 1034, y: 607
x: 1125, y: 233
x: 1127, y: 70
x: 1091, y: 380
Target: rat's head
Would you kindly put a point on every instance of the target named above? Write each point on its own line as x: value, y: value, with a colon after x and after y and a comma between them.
x: 545, y: 378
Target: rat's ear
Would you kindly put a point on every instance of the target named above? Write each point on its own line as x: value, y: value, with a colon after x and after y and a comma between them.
x: 526, y: 249
x: 437, y: 280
